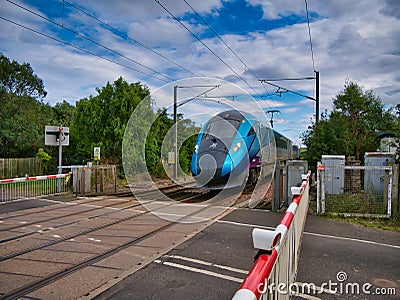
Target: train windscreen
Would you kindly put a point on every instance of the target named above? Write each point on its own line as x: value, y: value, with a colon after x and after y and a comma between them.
x: 223, y: 129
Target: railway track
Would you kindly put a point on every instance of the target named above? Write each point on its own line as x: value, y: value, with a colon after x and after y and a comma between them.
x: 132, y: 223
x: 174, y: 192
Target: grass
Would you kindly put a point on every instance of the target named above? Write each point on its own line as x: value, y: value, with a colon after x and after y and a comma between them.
x: 381, y: 223
x: 360, y: 203
x: 357, y: 203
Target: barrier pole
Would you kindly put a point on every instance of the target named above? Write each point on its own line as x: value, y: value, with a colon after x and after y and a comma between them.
x: 279, y: 250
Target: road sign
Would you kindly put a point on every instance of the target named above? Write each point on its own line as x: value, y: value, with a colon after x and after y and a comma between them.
x: 96, y: 153
x: 56, y: 135
x: 171, y: 158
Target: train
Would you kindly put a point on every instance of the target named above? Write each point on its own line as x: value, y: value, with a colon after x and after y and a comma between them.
x: 232, y: 146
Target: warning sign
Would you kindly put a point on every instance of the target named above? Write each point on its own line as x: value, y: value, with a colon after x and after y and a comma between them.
x: 171, y: 158
x: 96, y: 153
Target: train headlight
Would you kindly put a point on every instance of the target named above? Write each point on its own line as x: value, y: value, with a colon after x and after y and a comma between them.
x: 196, y: 148
x: 236, y: 146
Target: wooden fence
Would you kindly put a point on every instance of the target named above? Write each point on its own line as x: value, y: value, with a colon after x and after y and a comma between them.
x: 19, y: 167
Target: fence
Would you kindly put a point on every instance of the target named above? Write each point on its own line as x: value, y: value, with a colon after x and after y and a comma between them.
x: 25, y: 187
x: 355, y: 190
x: 275, y: 268
x: 94, y: 179
x: 19, y: 167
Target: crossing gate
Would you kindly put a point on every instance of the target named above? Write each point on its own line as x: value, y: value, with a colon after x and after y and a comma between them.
x: 274, y: 271
x: 33, y: 186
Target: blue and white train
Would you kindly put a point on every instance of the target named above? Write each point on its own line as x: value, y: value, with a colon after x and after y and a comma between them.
x: 232, y: 146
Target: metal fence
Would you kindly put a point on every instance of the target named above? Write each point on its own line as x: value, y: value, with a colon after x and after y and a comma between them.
x: 27, y: 187
x: 355, y: 190
x: 274, y: 271
x: 19, y: 167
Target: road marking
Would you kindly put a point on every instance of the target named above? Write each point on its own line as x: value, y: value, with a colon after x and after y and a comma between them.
x: 201, y: 271
x: 313, y: 234
x: 352, y: 239
x: 207, y: 263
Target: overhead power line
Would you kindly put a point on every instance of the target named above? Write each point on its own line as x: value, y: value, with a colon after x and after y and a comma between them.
x: 205, y: 45
x: 226, y: 45
x: 80, y: 49
x: 130, y: 38
x: 88, y: 39
x: 309, y: 34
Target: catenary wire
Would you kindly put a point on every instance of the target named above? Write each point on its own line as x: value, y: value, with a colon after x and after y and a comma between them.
x: 309, y: 34
x: 230, y: 48
x: 205, y: 45
x: 80, y: 49
x: 130, y: 38
x: 88, y: 39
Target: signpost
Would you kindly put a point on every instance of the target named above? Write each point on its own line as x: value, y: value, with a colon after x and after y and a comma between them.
x: 96, y: 153
x: 57, y: 136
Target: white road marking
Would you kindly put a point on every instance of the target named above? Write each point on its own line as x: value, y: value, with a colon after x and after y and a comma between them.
x: 94, y: 240
x: 201, y: 271
x: 314, y: 234
x: 227, y: 277
x: 56, y: 236
x: 207, y: 263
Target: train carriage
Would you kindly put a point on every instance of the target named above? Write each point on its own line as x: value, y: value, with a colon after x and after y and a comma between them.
x: 231, y: 147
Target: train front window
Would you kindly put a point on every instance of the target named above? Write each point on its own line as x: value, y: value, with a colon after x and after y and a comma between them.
x: 223, y: 129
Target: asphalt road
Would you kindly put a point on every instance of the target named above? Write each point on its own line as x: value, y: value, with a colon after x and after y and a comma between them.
x: 212, y: 264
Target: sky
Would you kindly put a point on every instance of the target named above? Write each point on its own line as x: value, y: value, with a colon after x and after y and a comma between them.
x: 78, y: 46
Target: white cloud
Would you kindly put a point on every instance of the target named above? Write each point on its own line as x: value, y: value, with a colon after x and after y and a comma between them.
x: 358, y: 43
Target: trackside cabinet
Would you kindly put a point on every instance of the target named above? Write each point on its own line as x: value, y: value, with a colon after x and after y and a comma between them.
x: 334, y: 173
x: 294, y: 170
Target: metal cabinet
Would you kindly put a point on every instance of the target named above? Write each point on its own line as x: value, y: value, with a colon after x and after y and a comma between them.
x: 334, y: 173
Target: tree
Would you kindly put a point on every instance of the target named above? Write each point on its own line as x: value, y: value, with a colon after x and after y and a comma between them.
x: 23, y: 112
x: 362, y: 115
x: 101, y: 120
x: 18, y: 80
x: 351, y: 128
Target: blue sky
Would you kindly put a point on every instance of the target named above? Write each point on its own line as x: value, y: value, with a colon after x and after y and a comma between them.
x: 351, y: 42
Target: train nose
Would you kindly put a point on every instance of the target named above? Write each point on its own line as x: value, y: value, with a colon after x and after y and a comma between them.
x: 210, y: 169
x: 207, y: 169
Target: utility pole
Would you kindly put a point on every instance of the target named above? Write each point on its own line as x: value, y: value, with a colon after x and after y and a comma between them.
x: 280, y: 89
x: 176, y: 105
x: 316, y: 96
x: 272, y: 111
x: 175, y: 141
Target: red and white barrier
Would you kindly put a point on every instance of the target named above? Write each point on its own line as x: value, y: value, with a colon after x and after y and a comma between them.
x: 33, y: 178
x: 32, y: 186
x: 275, y: 269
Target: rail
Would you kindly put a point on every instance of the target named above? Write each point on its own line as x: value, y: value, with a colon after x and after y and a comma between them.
x: 274, y: 271
x: 32, y: 186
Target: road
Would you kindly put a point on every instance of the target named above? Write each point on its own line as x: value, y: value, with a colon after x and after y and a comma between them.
x: 212, y: 264
x: 196, y: 261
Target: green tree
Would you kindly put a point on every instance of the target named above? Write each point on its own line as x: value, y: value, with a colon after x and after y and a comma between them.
x: 23, y: 112
x: 63, y: 113
x: 351, y: 128
x: 101, y: 120
x: 18, y: 79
